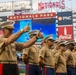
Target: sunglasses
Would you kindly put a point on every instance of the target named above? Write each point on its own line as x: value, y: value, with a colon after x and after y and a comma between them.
x: 63, y: 45
x: 34, y: 34
x: 51, y: 40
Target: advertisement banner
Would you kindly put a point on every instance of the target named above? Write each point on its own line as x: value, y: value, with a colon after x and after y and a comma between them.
x: 31, y: 16
x: 45, y: 5
x: 15, y: 5
x: 65, y: 32
x: 65, y: 18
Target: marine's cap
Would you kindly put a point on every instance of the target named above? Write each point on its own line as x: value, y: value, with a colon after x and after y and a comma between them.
x: 50, y: 37
x: 43, y: 40
x: 34, y: 32
x: 72, y: 42
x: 57, y: 41
x: 62, y: 43
x: 7, y: 24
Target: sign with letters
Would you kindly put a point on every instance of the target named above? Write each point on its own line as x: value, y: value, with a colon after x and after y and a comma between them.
x: 65, y: 18
x: 65, y: 32
x: 45, y: 5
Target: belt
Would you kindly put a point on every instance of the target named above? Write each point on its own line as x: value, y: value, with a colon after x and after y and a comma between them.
x: 71, y: 66
x: 49, y: 66
x: 8, y: 62
x: 34, y: 64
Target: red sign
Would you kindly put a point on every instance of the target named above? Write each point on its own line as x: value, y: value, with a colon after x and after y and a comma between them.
x: 65, y: 32
x: 30, y: 16
x: 60, y: 4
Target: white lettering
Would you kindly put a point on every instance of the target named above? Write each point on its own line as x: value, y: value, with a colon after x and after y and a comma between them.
x: 65, y: 37
x: 67, y: 18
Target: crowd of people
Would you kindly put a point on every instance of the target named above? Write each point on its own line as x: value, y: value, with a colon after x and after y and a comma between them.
x: 55, y: 57
x: 59, y: 60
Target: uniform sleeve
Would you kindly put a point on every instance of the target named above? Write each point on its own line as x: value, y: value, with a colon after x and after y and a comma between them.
x: 67, y: 55
x: 26, y: 51
x: 42, y: 53
x: 1, y: 42
x: 19, y: 46
x: 56, y: 58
